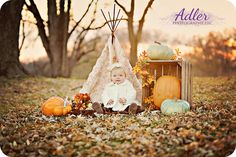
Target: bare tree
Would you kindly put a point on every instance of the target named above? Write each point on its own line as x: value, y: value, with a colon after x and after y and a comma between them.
x: 55, y: 42
x: 10, y: 17
x: 134, y: 37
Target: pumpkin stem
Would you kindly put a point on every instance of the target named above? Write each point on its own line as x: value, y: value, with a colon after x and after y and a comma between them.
x: 157, y: 42
x: 175, y: 99
x: 65, y: 101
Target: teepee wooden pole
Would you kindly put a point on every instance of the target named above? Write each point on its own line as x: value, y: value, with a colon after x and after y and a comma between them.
x: 114, y: 13
x: 106, y: 20
x: 117, y: 16
x: 112, y: 26
x: 118, y: 22
x: 113, y: 21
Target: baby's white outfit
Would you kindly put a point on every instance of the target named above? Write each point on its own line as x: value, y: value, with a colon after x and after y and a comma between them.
x: 117, y: 91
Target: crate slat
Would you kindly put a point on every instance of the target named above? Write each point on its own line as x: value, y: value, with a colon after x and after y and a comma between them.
x: 191, y: 84
x: 177, y: 71
x: 183, y: 80
x: 189, y: 80
x: 182, y: 69
x: 186, y: 80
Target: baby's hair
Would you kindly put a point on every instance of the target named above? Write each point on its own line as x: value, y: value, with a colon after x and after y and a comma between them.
x: 115, y: 68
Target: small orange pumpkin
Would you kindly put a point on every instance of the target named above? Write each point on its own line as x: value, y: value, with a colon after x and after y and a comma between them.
x: 166, y: 87
x: 55, y: 106
x: 58, y: 111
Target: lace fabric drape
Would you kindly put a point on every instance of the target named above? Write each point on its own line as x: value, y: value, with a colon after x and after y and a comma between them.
x: 100, y: 74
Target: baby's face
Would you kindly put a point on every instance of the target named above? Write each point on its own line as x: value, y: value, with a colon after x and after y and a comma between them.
x: 117, y: 76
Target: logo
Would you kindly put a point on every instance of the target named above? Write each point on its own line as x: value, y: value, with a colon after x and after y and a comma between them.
x: 193, y: 16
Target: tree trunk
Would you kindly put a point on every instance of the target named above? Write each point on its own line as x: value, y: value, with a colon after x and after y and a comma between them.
x: 133, y: 53
x: 58, y: 32
x: 133, y: 42
x: 55, y: 43
x: 55, y: 48
x: 134, y: 36
x: 10, y: 17
x: 65, y: 18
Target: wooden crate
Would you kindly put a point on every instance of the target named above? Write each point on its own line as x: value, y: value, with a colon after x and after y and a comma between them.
x: 180, y: 69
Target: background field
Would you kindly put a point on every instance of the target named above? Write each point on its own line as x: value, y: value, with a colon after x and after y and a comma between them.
x: 207, y: 130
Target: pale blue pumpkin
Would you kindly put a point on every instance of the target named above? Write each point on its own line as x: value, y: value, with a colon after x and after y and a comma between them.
x: 170, y: 106
x: 160, y: 52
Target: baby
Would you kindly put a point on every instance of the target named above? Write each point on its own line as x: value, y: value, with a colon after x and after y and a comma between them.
x: 119, y: 95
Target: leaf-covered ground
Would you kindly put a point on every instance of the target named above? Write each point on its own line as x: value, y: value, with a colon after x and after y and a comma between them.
x: 209, y: 129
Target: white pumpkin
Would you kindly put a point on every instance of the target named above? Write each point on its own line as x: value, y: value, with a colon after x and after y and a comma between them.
x: 160, y: 52
x: 170, y: 106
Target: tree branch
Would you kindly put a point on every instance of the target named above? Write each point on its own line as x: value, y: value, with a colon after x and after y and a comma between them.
x: 122, y: 7
x: 62, y: 3
x: 75, y: 59
x: 146, y: 9
x: 68, y: 18
x: 88, y: 51
x: 69, y: 7
x: 78, y: 22
x: 94, y: 15
x: 52, y: 7
x: 42, y: 33
x: 132, y: 7
x: 77, y: 43
x: 141, y: 21
x: 98, y: 27
x: 79, y: 40
x: 52, y: 15
x: 83, y: 33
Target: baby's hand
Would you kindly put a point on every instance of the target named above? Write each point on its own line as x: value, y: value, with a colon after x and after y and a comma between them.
x: 110, y: 102
x: 122, y: 100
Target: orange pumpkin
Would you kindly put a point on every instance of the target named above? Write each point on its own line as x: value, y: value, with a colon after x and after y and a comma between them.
x: 55, y: 106
x: 166, y: 87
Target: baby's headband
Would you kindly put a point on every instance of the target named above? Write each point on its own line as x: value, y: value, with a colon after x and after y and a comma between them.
x: 115, y: 65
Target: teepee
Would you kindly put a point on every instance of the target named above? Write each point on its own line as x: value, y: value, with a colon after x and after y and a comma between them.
x: 100, y: 74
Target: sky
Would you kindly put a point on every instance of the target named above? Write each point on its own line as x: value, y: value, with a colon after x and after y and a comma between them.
x: 159, y: 17
x: 223, y: 9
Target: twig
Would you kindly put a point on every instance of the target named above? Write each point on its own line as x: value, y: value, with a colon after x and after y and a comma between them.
x: 122, y: 7
x: 77, y: 23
